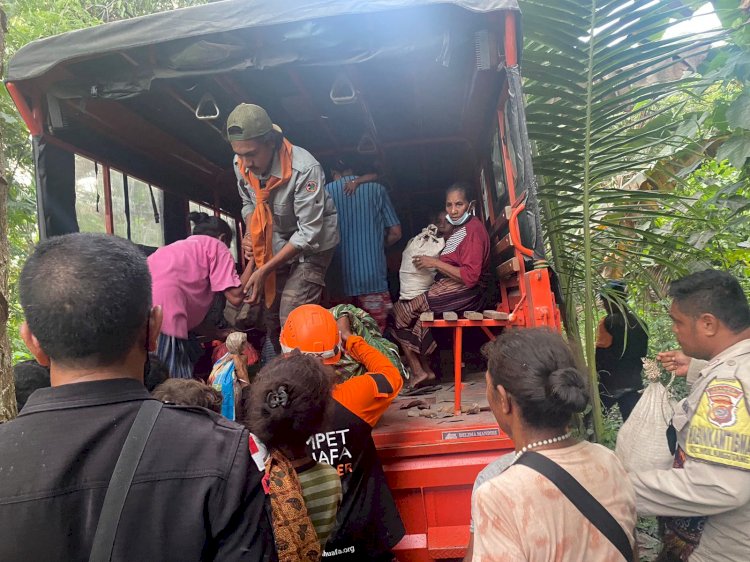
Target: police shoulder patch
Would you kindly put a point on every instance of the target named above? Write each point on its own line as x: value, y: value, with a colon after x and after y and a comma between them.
x: 720, y: 429
x: 311, y: 186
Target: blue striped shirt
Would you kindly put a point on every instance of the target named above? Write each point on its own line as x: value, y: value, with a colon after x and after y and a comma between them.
x: 363, y: 218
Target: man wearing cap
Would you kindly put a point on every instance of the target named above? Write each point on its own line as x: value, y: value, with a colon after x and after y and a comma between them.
x: 291, y: 221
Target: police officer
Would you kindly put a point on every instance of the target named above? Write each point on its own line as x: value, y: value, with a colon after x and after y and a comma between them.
x: 291, y: 221
x: 706, y: 496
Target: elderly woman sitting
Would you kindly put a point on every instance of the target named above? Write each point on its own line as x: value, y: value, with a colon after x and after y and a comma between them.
x: 459, y: 285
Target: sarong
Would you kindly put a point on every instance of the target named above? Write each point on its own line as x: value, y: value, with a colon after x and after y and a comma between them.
x: 445, y: 295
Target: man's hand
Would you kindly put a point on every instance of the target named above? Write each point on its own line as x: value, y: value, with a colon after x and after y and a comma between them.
x: 674, y: 361
x: 255, y: 286
x: 424, y: 262
x: 345, y: 327
x: 247, y: 247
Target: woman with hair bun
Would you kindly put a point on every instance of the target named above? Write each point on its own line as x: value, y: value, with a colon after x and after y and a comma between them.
x: 186, y: 276
x: 534, y: 388
x: 288, y: 402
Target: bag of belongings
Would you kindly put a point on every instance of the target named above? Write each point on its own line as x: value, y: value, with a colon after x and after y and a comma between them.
x: 414, y: 281
x: 362, y: 324
x: 229, y: 374
x: 642, y: 439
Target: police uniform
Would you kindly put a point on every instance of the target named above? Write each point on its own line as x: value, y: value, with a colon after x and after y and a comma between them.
x: 305, y: 217
x: 713, y: 430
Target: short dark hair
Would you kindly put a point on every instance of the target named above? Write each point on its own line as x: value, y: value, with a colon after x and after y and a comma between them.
x: 156, y: 374
x: 272, y: 137
x: 307, y: 384
x: 463, y: 187
x: 189, y: 392
x: 210, y: 226
x: 537, y: 368
x: 86, y: 298
x: 29, y: 376
x: 713, y: 292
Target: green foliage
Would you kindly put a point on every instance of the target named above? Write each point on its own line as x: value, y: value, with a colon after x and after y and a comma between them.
x: 603, y: 105
x: 29, y: 20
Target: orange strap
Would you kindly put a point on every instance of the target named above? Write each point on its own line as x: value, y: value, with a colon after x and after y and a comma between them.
x: 261, y: 221
x: 603, y: 337
x: 360, y: 395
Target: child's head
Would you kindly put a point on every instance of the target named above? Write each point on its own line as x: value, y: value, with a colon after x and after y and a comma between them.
x: 189, y: 392
x: 289, y: 400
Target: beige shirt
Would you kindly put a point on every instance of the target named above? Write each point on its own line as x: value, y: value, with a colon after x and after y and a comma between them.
x: 304, y: 214
x: 521, y: 515
x: 701, y: 487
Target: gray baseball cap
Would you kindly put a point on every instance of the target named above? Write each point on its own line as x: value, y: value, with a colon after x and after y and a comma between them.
x: 248, y: 121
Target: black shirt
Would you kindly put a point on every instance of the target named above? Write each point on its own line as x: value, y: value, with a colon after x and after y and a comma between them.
x: 620, y: 364
x: 196, y: 494
x: 368, y: 524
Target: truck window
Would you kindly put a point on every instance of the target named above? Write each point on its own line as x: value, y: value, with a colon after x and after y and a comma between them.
x: 89, y: 195
x: 117, y: 181
x: 146, y: 212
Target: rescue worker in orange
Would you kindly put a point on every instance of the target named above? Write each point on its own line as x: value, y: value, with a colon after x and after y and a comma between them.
x: 368, y: 524
x: 291, y: 221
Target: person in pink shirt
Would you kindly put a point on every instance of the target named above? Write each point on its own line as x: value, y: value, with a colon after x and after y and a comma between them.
x: 186, y: 276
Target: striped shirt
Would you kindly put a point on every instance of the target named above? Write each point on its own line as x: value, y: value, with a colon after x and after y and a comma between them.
x: 363, y: 218
x: 321, y: 488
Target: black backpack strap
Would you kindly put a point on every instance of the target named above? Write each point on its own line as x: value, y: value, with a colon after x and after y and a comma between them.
x: 122, y: 478
x: 579, y: 497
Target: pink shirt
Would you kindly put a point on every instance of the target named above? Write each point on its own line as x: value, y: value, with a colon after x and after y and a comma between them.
x: 186, y: 274
x: 519, y: 515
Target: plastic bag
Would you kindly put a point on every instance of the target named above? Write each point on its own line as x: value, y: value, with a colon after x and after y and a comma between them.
x: 223, y: 379
x: 224, y: 376
x: 414, y: 281
x: 642, y: 439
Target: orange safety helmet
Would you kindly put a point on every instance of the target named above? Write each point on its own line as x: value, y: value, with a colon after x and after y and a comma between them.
x: 313, y: 330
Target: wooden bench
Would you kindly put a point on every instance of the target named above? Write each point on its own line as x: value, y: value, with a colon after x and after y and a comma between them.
x: 484, y: 320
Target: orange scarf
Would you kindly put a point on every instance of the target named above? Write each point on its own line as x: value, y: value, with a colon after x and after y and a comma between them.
x: 261, y: 221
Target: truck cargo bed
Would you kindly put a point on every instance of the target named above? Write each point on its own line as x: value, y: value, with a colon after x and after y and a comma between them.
x: 431, y: 465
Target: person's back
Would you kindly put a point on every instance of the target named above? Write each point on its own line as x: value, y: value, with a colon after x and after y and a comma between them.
x: 186, y: 274
x: 368, y: 522
x: 320, y: 483
x: 544, y: 523
x: 534, y: 389
x: 195, y: 493
x: 363, y: 218
x: 195, y: 479
x: 622, y: 358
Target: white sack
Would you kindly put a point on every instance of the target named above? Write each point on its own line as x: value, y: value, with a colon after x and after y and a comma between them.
x: 642, y: 440
x: 414, y: 282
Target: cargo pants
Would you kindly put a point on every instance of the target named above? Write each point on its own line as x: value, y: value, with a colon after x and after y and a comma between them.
x: 297, y: 283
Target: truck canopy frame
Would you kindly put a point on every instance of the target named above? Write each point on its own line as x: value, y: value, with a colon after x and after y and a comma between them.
x: 409, y: 83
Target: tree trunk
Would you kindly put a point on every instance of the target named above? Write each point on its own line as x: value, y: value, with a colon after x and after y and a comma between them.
x: 7, y: 388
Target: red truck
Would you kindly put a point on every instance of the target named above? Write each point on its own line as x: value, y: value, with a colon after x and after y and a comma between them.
x: 127, y: 121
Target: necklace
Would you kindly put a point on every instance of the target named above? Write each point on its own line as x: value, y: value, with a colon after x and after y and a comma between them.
x: 543, y: 442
